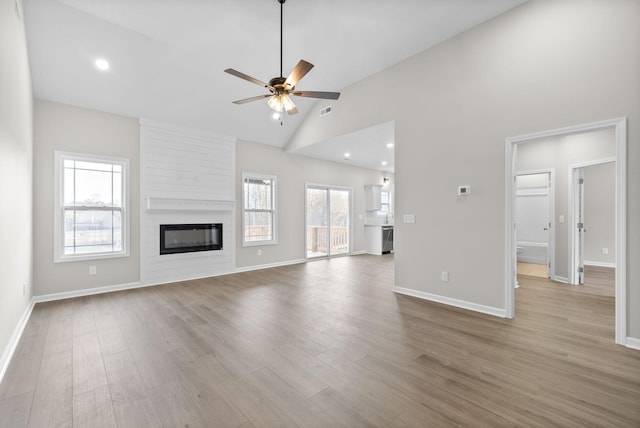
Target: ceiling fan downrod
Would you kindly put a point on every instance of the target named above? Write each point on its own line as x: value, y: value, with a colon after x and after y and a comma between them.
x: 281, y: 14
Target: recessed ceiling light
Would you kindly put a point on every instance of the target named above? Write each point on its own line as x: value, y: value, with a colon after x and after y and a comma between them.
x: 276, y: 116
x: 102, y: 64
x: 389, y: 145
x: 347, y: 155
x: 384, y: 163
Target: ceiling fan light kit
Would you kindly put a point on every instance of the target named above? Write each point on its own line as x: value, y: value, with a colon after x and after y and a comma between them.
x: 281, y: 88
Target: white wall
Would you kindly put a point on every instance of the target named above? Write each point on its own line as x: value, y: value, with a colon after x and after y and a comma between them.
x: 541, y: 66
x: 599, y: 214
x: 292, y: 173
x: 16, y: 147
x: 68, y: 128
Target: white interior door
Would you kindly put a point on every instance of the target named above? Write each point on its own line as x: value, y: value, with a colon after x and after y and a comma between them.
x: 533, y: 214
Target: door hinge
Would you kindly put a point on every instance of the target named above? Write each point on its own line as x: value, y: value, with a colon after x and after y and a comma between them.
x: 580, y: 269
x: 580, y: 180
x: 580, y: 225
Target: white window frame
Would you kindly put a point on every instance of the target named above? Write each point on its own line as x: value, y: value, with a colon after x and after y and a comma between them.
x: 58, y: 213
x: 274, y: 209
x: 381, y: 212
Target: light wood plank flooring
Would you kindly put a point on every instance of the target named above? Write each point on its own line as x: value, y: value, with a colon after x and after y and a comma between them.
x: 533, y: 269
x: 323, y: 344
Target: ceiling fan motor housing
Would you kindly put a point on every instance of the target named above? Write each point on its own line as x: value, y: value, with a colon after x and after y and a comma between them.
x: 278, y: 83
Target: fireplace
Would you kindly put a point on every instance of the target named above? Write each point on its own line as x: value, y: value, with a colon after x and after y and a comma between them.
x: 189, y: 238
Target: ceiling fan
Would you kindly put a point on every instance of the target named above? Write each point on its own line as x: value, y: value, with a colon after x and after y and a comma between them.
x: 280, y: 88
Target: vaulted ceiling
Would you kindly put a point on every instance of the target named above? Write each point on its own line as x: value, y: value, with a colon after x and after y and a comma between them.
x: 167, y: 56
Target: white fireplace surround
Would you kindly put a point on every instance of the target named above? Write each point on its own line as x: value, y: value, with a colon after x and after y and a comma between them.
x: 187, y: 176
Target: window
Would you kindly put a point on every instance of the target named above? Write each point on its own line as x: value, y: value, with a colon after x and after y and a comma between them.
x: 385, y: 203
x: 259, y: 209
x: 91, y: 215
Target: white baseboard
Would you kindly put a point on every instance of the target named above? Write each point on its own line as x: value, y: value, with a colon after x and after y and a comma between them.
x: 560, y: 279
x: 132, y: 285
x: 632, y: 342
x: 600, y: 264
x: 497, y: 312
x: 268, y: 265
x: 15, y: 339
x: 86, y: 292
x: 534, y: 260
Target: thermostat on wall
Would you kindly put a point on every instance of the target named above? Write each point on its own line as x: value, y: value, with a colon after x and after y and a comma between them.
x: 464, y: 190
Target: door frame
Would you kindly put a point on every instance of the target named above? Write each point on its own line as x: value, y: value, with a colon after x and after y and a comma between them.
x: 573, y: 215
x: 551, y: 241
x: 328, y: 187
x: 511, y: 143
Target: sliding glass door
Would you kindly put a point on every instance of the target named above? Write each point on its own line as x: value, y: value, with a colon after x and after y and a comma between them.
x: 328, y: 221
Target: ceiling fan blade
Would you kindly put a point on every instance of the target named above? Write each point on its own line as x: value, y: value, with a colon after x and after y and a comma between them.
x: 248, y: 100
x: 298, y: 72
x: 317, y: 94
x: 246, y: 77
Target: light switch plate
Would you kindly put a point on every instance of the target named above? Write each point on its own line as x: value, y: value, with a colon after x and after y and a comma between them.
x: 409, y: 218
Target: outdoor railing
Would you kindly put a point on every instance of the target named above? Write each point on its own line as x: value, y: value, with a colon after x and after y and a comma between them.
x: 317, y: 239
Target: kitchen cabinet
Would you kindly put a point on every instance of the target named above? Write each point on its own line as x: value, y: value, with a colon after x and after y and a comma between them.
x: 372, y: 197
x: 379, y: 239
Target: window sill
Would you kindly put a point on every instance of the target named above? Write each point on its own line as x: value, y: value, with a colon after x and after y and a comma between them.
x: 259, y: 243
x: 82, y: 258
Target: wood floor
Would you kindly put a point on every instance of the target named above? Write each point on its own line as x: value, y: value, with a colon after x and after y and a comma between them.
x: 533, y: 269
x: 325, y: 344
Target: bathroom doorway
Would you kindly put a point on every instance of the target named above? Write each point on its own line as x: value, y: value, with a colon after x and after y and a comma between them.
x: 534, y: 214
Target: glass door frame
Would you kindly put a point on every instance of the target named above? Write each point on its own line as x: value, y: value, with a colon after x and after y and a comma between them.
x: 328, y: 189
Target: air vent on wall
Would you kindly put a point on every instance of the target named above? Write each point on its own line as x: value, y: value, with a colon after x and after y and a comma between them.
x: 325, y: 111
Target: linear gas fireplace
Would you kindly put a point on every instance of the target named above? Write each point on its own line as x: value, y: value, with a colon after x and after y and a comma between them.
x: 189, y: 238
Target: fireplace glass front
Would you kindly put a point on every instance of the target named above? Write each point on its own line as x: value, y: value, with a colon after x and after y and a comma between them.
x: 189, y: 238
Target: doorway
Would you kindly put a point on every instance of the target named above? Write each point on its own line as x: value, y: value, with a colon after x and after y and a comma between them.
x: 534, y: 214
x: 617, y: 128
x: 592, y: 216
x: 328, y: 221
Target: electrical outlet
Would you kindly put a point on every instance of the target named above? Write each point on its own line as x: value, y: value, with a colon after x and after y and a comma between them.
x: 259, y: 252
x: 605, y: 251
x: 444, y: 276
x: 92, y: 270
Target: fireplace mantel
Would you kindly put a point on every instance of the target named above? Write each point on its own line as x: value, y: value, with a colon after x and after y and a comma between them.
x: 174, y: 204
